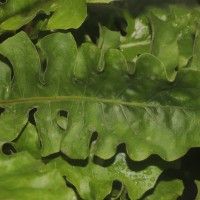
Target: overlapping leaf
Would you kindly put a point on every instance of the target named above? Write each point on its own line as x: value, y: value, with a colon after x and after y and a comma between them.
x: 138, y: 38
x: 161, y: 35
x: 167, y: 190
x: 25, y: 178
x: 88, y: 176
x: 62, y: 14
x: 66, y: 13
x: 135, y: 177
x: 140, y: 89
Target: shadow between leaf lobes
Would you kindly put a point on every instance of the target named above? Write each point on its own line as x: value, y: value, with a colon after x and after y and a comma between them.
x: 8, y: 149
x: 2, y: 110
x: 31, y: 117
x: 75, y: 162
x: 70, y: 185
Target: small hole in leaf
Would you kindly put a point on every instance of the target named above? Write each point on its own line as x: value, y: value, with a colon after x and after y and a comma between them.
x: 93, y: 138
x: 1, y: 110
x: 176, y: 68
x: 8, y: 149
x: 31, y: 117
x: 63, y: 113
x: 62, y: 120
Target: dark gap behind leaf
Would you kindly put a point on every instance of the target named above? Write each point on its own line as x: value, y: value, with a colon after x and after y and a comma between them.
x: 117, y: 188
x: 49, y: 158
x: 68, y: 184
x: 3, y: 2
x: 121, y: 25
x: 21, y: 132
x: 2, y: 110
x: 31, y: 117
x: 137, y: 7
x: 93, y: 138
x: 188, y: 173
x: 121, y: 148
x: 63, y: 113
x: 75, y: 162
x: 8, y: 149
x: 191, y: 169
x: 62, y: 119
x: 108, y: 15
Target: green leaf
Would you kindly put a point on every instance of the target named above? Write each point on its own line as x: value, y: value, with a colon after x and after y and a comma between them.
x: 194, y: 63
x: 23, y: 177
x: 147, y: 65
x: 108, y: 39
x: 28, y: 141
x: 137, y: 39
x: 145, y: 113
x: 164, y: 45
x: 14, y: 15
x: 74, y: 11
x: 165, y: 32
x: 198, y: 188
x: 137, y: 178
x: 183, y: 20
x: 167, y: 190
x: 100, y: 1
x: 4, y: 79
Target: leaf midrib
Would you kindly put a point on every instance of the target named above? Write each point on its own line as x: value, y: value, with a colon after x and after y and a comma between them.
x: 91, y: 99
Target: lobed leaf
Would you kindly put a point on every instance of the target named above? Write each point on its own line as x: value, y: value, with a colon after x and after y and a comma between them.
x: 150, y: 118
x: 135, y: 177
x: 28, y: 140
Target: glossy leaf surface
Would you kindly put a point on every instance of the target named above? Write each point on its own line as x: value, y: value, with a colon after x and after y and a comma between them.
x: 137, y: 178
x: 167, y: 190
